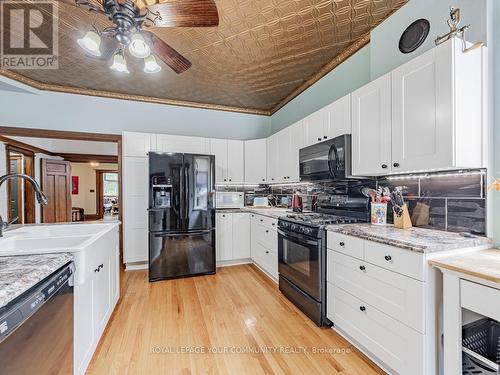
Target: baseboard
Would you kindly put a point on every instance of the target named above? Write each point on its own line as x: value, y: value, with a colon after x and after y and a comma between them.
x: 236, y: 262
x: 135, y: 266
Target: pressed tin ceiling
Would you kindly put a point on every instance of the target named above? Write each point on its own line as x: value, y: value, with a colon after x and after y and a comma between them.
x: 262, y: 54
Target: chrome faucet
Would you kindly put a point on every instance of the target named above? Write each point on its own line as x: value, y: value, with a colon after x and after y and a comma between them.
x: 40, y: 197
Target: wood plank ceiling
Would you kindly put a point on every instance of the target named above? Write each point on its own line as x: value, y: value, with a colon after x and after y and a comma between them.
x: 263, y: 53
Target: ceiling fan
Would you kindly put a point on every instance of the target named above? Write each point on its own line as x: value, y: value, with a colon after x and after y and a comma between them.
x: 133, y: 29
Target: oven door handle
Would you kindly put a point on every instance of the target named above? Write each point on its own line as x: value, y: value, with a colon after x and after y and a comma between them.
x: 299, y: 238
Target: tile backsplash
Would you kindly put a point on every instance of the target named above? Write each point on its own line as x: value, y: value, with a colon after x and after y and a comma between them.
x: 446, y: 201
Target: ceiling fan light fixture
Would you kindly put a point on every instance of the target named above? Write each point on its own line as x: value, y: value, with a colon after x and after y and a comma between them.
x: 150, y: 65
x: 119, y: 63
x: 138, y: 47
x: 91, y: 43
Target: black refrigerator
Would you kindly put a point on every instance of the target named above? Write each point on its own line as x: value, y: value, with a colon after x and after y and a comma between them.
x: 181, y: 215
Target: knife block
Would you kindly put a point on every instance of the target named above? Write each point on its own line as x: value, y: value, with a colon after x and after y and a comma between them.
x: 403, y: 221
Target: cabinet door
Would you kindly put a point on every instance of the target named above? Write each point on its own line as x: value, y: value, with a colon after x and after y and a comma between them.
x: 339, y: 118
x: 138, y: 144
x: 182, y: 144
x: 224, y: 236
x: 316, y: 125
x: 241, y: 235
x: 135, y: 204
x: 255, y: 161
x: 422, y: 127
x: 218, y: 147
x: 296, y: 141
x: 235, y: 161
x: 272, y: 159
x: 84, y: 335
x: 101, y: 294
x: 371, y: 128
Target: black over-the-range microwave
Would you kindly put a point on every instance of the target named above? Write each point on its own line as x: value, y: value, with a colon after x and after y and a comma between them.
x: 327, y: 161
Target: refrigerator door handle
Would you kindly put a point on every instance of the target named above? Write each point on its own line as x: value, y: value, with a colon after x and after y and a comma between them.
x: 186, y: 197
x: 187, y: 234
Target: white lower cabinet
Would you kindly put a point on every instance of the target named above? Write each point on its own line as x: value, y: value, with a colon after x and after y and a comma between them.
x: 264, y: 243
x: 232, y: 236
x: 383, y: 299
x: 96, y: 294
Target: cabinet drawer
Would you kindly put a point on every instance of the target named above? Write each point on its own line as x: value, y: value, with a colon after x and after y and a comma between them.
x: 267, y: 237
x: 266, y: 259
x: 393, y: 343
x: 398, y: 296
x: 266, y: 221
x: 480, y: 298
x: 403, y: 261
x: 346, y: 244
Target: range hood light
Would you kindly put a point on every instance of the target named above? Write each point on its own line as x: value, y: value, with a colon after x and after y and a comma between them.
x: 91, y: 43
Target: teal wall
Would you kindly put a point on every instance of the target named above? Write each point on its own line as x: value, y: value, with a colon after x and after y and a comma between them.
x: 347, y: 77
x: 29, y: 108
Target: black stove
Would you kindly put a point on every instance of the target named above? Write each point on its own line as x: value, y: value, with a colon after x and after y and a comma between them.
x: 302, y: 250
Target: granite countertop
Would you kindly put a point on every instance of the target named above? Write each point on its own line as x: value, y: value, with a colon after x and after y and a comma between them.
x: 273, y: 212
x: 414, y: 239
x: 20, y: 273
x: 483, y: 264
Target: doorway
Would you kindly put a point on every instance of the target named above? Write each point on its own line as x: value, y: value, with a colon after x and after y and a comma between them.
x: 20, y: 197
x: 107, y: 195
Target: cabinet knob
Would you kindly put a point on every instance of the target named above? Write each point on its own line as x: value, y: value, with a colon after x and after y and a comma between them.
x: 287, y: 176
x: 223, y: 215
x: 267, y: 251
x: 325, y: 137
x: 384, y: 166
x: 396, y: 165
x: 362, y: 308
x: 362, y: 268
x: 225, y: 180
x: 263, y: 179
x: 342, y: 244
x: 388, y: 258
x: 319, y: 139
x: 267, y: 230
x: 261, y: 220
x: 230, y: 180
x: 273, y: 224
x: 101, y: 266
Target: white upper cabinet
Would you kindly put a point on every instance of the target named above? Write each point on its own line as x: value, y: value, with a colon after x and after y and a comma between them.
x: 437, y: 110
x: 296, y: 140
x: 182, y: 144
x: 329, y: 122
x: 283, y: 154
x: 256, y: 161
x: 272, y: 159
x: 138, y: 144
x: 235, y: 161
x: 339, y: 118
x: 371, y: 128
x: 229, y: 160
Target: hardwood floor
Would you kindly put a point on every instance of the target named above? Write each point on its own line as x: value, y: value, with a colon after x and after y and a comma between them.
x: 237, y: 309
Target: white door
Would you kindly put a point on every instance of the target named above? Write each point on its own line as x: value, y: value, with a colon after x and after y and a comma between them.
x: 138, y: 144
x: 422, y: 110
x: 235, y: 161
x: 371, y: 128
x: 182, y: 144
x: 272, y: 159
x: 339, y: 118
x: 241, y: 235
x: 135, y: 205
x: 255, y: 161
x: 316, y: 125
x: 218, y: 147
x: 224, y: 236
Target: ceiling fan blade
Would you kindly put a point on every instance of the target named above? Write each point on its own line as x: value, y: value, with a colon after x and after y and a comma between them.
x: 167, y: 54
x: 183, y: 13
x: 88, y: 4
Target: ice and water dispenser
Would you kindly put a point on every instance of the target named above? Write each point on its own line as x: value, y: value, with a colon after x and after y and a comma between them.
x: 162, y: 192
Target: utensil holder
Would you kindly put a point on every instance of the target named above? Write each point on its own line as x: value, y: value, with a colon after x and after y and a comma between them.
x: 379, y: 213
x: 403, y: 221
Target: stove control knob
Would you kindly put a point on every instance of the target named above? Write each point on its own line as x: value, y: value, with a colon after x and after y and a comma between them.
x: 293, y: 227
x: 307, y: 230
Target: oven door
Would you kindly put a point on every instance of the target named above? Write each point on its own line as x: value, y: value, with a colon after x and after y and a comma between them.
x: 298, y: 261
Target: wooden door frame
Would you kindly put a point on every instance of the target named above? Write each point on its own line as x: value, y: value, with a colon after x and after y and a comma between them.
x: 29, y: 197
x: 79, y: 136
x: 99, y: 187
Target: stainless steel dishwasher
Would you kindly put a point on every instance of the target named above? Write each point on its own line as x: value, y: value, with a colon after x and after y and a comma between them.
x: 36, y: 329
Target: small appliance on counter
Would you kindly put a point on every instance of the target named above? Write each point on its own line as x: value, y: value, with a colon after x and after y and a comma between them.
x: 261, y: 202
x: 225, y: 199
x: 297, y: 205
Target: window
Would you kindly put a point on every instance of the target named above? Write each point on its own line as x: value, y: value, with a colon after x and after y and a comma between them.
x: 110, y: 184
